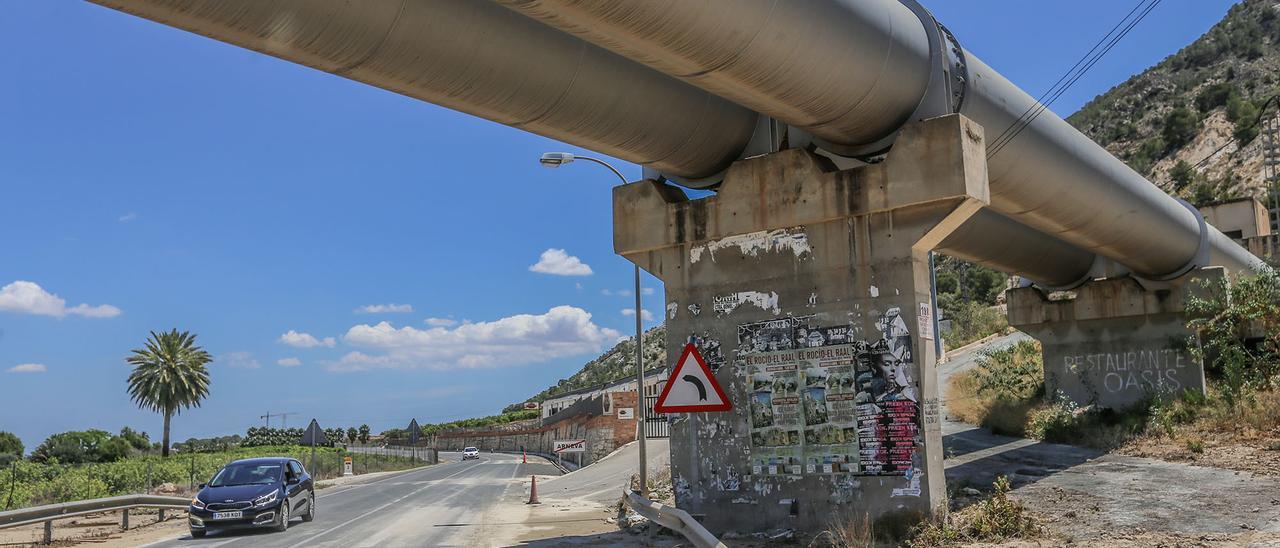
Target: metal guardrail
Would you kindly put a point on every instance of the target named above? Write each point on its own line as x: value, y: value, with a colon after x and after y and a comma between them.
x: 50, y: 512
x: 673, y: 518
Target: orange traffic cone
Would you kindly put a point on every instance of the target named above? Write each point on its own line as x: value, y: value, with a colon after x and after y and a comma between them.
x: 524, y: 458
x: 533, y: 491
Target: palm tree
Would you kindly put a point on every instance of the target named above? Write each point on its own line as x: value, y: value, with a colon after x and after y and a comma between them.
x: 169, y: 375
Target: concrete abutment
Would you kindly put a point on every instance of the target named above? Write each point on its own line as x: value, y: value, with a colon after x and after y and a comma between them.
x: 1114, y: 343
x: 808, y: 292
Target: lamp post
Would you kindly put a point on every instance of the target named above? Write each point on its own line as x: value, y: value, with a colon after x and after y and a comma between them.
x: 557, y: 159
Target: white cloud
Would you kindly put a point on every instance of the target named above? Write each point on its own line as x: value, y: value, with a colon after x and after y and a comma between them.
x: 560, y: 263
x: 288, y: 362
x: 440, y: 322
x: 127, y: 217
x: 305, y: 340
x: 389, y: 308
x: 646, y: 291
x: 29, y: 298
x: 616, y: 293
x: 644, y: 314
x: 27, y: 368
x: 520, y: 339
x: 242, y: 360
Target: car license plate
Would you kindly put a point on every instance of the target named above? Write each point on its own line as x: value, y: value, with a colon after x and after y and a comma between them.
x: 228, y: 515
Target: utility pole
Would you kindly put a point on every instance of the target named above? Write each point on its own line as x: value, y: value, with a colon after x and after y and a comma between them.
x: 1271, y: 168
x: 557, y: 159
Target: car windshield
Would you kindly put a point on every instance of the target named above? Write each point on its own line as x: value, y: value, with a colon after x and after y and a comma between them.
x: 247, y: 474
x: 468, y: 450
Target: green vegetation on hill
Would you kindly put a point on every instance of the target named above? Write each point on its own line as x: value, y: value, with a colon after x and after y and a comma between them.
x: 428, y: 429
x: 1166, y: 120
x: 616, y: 364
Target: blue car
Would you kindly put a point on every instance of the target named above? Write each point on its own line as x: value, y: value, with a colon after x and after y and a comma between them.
x: 261, y: 492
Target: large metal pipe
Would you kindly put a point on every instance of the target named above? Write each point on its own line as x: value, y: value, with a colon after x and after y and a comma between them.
x: 485, y: 60
x: 479, y: 58
x: 850, y: 72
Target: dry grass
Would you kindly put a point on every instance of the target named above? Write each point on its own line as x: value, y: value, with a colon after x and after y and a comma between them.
x: 1000, y: 393
x: 1243, y: 435
x: 964, y: 404
x: 996, y: 519
x: 660, y: 488
x: 847, y: 531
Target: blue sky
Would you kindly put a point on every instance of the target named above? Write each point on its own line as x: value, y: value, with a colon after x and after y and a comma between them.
x: 165, y: 180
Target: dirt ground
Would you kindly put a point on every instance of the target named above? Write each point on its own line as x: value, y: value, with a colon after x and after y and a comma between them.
x: 101, y: 530
x: 1253, y: 456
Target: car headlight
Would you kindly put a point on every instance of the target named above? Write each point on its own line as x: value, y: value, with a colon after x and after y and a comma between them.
x: 197, y: 504
x: 266, y: 499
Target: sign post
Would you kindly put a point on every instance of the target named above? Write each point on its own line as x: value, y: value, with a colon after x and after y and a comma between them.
x: 560, y: 447
x: 414, y: 433
x: 347, y: 466
x: 313, y: 436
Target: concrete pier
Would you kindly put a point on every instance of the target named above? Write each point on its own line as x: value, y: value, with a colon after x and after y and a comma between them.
x: 808, y: 292
x: 1113, y: 343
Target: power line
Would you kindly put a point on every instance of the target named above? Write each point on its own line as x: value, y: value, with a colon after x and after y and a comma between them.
x: 1110, y: 40
x: 1040, y: 100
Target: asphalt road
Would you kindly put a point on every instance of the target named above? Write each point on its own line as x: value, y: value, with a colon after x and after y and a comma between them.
x: 441, y: 505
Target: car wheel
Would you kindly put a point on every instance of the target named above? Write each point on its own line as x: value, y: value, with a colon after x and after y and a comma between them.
x: 197, y: 534
x: 283, y: 524
x: 311, y: 508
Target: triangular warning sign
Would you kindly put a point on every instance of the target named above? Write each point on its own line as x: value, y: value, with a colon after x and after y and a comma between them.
x: 691, y: 387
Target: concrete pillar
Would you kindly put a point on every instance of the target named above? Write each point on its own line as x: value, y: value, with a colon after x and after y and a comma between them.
x: 808, y: 292
x: 1113, y: 343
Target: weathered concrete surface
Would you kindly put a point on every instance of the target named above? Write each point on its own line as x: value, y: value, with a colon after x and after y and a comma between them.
x: 1116, y: 342
x: 1088, y: 494
x: 804, y: 287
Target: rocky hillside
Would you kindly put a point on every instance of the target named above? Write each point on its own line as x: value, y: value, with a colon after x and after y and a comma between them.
x: 1170, y: 121
x: 617, y: 363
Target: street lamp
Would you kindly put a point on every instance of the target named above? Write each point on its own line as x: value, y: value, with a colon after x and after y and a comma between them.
x: 557, y: 159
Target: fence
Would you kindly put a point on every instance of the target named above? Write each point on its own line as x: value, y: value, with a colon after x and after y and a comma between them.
x: 655, y: 424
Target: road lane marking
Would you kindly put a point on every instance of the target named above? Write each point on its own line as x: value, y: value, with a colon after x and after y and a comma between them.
x: 375, y: 510
x: 379, y: 480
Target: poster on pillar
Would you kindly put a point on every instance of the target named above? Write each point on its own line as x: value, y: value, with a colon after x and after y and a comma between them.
x: 832, y: 403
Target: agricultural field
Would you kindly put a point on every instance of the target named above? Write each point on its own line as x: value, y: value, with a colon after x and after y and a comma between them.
x: 25, y: 483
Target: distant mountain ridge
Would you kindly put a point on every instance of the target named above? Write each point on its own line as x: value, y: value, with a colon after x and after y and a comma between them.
x: 1188, y: 123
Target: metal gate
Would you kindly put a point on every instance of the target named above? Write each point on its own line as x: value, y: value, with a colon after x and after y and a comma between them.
x: 655, y: 425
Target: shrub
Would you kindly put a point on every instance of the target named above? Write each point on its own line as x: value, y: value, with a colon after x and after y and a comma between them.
x: 1001, y: 391
x: 971, y: 321
x: 10, y: 444
x: 996, y: 519
x: 1183, y: 175
x: 1244, y: 114
x: 1236, y: 323
x: 1180, y: 126
x: 1015, y: 372
x: 1214, y: 96
x: 81, y: 447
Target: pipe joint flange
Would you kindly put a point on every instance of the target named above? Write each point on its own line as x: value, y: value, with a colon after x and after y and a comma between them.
x: 1199, y: 260
x: 948, y: 83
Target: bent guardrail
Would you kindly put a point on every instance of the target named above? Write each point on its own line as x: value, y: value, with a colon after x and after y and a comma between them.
x: 673, y: 518
x: 50, y: 512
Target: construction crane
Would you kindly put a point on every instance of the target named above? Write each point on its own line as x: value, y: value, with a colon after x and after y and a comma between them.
x: 283, y: 418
